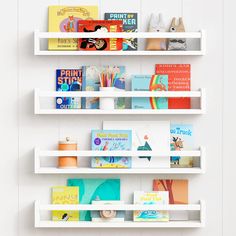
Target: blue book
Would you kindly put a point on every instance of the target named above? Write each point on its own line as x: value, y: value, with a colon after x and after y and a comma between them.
x: 68, y: 80
x: 150, y: 83
x: 111, y: 140
x: 181, y: 140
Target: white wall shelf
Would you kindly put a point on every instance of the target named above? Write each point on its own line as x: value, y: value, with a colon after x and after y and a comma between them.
x: 201, y: 94
x: 38, y: 169
x: 144, y: 35
x: 200, y: 207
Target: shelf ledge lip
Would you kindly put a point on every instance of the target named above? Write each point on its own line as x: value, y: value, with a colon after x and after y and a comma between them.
x: 170, y: 224
x: 48, y: 35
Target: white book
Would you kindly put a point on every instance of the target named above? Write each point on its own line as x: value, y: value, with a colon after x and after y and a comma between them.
x: 147, y: 136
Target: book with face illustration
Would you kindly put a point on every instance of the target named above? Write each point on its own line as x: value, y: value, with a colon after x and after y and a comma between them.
x: 146, y: 136
x: 151, y: 198
x: 65, y: 19
x: 181, y: 139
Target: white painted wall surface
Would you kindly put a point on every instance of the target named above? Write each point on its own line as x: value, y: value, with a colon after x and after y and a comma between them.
x: 21, y: 130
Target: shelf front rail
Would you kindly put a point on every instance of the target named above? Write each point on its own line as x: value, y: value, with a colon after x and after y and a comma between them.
x: 38, y: 169
x: 38, y: 36
x: 201, y: 94
x: 39, y: 223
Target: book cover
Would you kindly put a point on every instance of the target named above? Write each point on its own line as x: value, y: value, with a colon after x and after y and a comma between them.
x: 91, y: 82
x: 181, y: 140
x: 179, y: 76
x: 65, y: 195
x: 111, y: 140
x: 130, y: 25
x: 92, y: 189
x: 65, y: 19
x: 150, y: 83
x: 177, y: 188
x: 151, y: 198
x: 68, y: 80
x: 146, y: 136
x: 100, y: 44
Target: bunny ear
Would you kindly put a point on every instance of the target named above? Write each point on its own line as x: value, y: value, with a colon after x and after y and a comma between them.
x: 181, y: 25
x: 173, y: 22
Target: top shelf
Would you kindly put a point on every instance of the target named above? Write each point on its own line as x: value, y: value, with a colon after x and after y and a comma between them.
x: 144, y: 35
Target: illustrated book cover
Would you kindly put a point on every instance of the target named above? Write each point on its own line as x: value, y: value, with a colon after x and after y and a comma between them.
x: 151, y: 198
x: 68, y: 80
x: 100, y: 44
x: 111, y: 140
x: 150, y: 83
x: 91, y: 82
x: 179, y: 79
x: 146, y: 136
x: 65, y: 195
x: 92, y: 189
x: 130, y: 25
x: 177, y: 188
x: 65, y: 19
x: 181, y: 140
x: 178, y: 194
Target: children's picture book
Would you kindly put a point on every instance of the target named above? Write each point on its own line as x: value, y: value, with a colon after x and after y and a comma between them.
x: 130, y: 25
x: 65, y: 19
x: 68, y: 80
x: 151, y: 198
x: 65, y: 195
x: 150, y: 83
x: 177, y: 188
x: 181, y: 140
x: 179, y: 79
x: 111, y: 140
x: 92, y: 189
x: 146, y: 136
x: 91, y: 82
x: 100, y: 44
x: 178, y: 194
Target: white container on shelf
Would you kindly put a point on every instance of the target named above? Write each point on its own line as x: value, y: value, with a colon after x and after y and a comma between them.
x: 107, y: 103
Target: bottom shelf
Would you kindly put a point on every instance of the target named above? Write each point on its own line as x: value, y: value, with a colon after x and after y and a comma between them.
x: 195, y: 222
x: 126, y: 224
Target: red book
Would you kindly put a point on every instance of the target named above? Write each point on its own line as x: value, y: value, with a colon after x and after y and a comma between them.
x: 100, y: 26
x: 179, y: 76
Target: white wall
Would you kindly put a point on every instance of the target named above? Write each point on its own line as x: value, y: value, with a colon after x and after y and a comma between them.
x: 21, y: 130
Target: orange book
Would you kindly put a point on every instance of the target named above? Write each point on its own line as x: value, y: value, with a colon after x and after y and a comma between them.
x: 179, y: 76
x: 100, y: 26
x: 177, y: 188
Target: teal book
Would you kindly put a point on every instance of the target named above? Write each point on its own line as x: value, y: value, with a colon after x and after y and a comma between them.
x: 92, y: 189
x: 150, y: 83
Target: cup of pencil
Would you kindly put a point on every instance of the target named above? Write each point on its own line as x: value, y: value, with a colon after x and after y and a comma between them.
x: 107, y: 81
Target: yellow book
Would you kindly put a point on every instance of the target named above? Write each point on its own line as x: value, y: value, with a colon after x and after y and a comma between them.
x: 65, y: 19
x: 65, y: 195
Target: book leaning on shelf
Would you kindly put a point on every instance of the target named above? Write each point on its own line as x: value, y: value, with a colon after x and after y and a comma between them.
x: 68, y: 80
x: 111, y: 140
x: 65, y: 195
x: 151, y: 198
x: 65, y: 19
